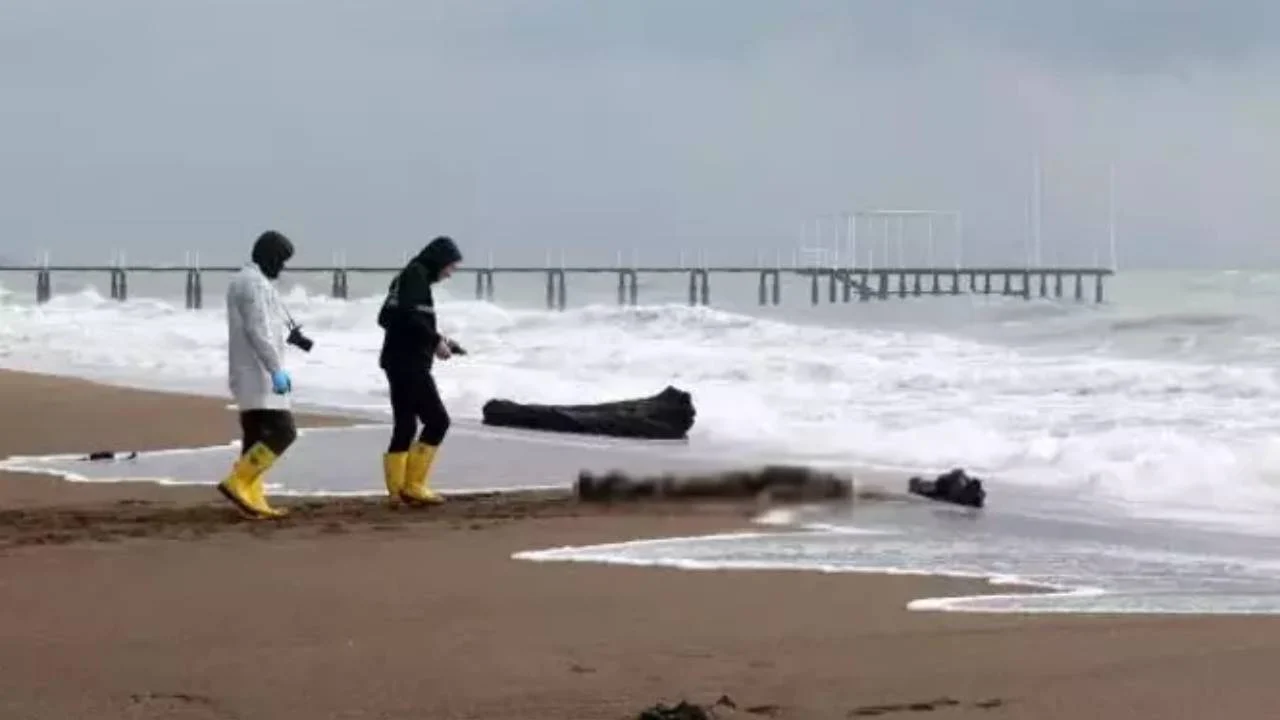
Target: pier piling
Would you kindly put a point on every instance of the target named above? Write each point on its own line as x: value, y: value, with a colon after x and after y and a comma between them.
x: 44, y: 286
x: 699, y: 287
x: 340, y: 289
x: 119, y: 284
x: 556, y: 296
x: 628, y: 288
x: 484, y: 285
x: 194, y: 290
x: 770, y: 287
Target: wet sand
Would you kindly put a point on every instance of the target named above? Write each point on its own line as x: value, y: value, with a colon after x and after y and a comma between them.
x: 139, y: 601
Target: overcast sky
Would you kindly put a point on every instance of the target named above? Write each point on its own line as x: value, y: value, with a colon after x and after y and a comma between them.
x: 593, y: 126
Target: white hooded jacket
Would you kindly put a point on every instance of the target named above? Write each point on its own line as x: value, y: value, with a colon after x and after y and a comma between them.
x: 257, y: 326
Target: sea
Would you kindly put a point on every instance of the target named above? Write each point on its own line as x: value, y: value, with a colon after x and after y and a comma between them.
x: 1130, y: 449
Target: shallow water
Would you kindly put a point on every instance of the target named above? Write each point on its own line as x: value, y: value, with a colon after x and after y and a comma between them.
x: 1076, y: 563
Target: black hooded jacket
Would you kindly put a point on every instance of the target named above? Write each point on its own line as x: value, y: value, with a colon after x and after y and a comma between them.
x: 408, y: 315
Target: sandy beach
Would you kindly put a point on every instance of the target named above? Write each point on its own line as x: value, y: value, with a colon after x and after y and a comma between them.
x: 140, y: 601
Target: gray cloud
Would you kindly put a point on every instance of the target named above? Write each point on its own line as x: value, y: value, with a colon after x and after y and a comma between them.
x: 523, y: 127
x: 1125, y: 36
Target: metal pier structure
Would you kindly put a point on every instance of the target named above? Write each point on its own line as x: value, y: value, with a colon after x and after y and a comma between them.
x: 867, y: 254
x: 840, y: 284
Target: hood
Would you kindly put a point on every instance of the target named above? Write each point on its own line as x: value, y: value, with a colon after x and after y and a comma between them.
x: 271, y: 251
x: 437, y: 254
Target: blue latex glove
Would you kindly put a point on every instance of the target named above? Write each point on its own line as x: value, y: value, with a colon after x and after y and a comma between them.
x: 281, y: 383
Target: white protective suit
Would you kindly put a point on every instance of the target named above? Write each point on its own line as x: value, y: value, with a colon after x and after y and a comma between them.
x: 257, y: 326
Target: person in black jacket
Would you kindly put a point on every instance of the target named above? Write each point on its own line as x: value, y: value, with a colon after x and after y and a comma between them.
x: 411, y: 342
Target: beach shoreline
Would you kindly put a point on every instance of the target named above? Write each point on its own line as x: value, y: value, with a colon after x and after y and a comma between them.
x: 101, y: 510
x: 353, y: 610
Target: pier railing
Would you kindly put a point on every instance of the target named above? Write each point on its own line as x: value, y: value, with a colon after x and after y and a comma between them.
x: 841, y: 284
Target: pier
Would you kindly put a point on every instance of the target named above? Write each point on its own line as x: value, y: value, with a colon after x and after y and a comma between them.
x: 832, y: 284
x: 864, y: 256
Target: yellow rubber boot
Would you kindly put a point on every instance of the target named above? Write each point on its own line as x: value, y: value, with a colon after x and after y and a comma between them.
x: 417, y: 490
x: 394, y: 466
x: 243, y: 486
x: 259, y: 494
x: 262, y: 458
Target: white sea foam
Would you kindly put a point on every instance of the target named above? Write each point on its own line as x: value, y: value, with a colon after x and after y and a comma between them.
x: 710, y: 552
x: 1052, y: 576
x: 1178, y: 439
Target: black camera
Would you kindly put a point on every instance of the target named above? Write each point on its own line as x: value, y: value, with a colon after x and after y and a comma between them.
x: 298, y: 339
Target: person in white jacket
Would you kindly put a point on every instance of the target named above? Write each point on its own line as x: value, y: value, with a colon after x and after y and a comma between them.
x: 258, y: 328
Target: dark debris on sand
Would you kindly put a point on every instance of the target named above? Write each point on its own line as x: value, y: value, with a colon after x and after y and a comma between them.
x: 683, y: 710
x: 726, y: 709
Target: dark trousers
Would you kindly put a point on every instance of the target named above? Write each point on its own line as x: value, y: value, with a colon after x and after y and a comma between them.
x: 273, y: 428
x: 415, y: 399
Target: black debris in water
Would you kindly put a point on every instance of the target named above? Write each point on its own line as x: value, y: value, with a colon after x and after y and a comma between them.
x: 956, y: 487
x: 109, y: 455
